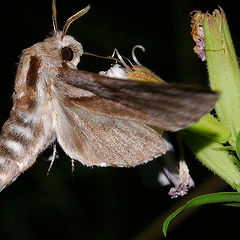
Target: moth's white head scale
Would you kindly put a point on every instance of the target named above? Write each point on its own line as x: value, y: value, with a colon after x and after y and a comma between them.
x: 70, y: 49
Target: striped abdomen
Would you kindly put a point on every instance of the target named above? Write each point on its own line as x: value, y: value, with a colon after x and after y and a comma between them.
x: 23, y: 137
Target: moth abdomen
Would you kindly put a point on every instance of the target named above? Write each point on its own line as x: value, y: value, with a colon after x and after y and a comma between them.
x: 14, y: 143
x: 23, y: 137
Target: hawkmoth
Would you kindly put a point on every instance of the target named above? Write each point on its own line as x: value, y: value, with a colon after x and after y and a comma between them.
x: 97, y: 120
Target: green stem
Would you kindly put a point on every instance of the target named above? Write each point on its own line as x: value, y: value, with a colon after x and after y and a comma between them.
x: 218, y: 161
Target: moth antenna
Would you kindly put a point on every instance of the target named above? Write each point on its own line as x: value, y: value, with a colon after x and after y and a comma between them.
x: 115, y: 51
x: 54, y: 16
x: 73, y: 18
x: 134, y: 55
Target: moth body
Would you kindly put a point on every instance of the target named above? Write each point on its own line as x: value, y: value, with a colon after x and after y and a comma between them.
x: 97, y: 120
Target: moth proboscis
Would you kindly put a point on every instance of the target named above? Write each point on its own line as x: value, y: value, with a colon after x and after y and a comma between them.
x: 96, y: 119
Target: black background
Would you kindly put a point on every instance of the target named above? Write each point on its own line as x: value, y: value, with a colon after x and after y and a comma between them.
x: 107, y: 203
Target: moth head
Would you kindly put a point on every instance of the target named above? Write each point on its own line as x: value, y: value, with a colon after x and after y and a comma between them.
x: 68, y: 48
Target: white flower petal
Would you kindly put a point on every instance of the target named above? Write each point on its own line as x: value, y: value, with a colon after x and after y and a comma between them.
x: 116, y: 71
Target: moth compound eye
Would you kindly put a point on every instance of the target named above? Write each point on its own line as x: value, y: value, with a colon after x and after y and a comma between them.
x: 67, y: 54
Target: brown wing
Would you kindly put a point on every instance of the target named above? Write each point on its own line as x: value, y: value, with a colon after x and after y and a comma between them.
x: 99, y: 140
x: 169, y: 107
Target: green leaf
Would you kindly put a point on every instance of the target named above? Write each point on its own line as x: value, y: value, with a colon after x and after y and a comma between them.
x: 220, y: 162
x: 221, y: 197
x: 238, y: 145
x: 210, y: 127
x: 225, y: 148
x: 232, y: 204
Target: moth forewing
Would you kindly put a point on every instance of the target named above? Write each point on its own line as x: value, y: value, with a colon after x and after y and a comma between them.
x: 170, y: 107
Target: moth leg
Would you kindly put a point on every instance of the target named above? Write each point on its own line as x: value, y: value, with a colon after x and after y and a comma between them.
x: 52, y: 158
